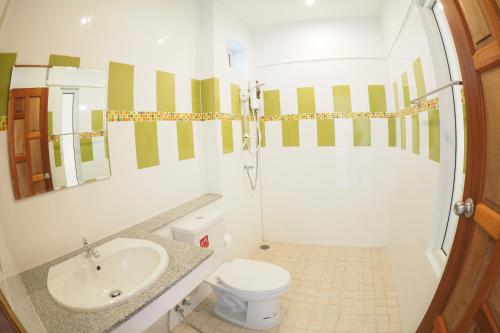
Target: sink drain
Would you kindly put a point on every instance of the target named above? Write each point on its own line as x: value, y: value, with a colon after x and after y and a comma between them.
x: 115, y: 293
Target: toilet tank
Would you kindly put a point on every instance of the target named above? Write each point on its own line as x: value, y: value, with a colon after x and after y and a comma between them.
x: 204, y: 229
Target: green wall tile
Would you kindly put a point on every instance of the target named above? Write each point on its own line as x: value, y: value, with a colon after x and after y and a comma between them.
x: 406, y: 89
x: 325, y: 132
x: 272, y: 104
x: 185, y: 140
x: 121, y: 87
x: 210, y: 96
x: 86, y: 149
x: 165, y: 92
x: 341, y: 99
x: 7, y: 61
x: 290, y: 133
x: 434, y: 136
x: 50, y: 123
x: 378, y: 102
x: 395, y: 91
x: 97, y: 120
x: 235, y: 99
x: 306, y: 100
x: 402, y: 123
x: 146, y: 144
x: 227, y: 136
x: 196, y: 96
x: 262, y: 126
x: 418, y: 71
x: 63, y: 61
x: 57, y: 154
x: 415, y: 133
x: 391, y: 124
x: 362, y: 136
x: 106, y: 147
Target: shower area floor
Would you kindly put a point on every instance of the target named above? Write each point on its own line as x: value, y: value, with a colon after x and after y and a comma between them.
x: 333, y: 289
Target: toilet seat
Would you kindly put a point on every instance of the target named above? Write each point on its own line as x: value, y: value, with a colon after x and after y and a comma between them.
x: 253, y: 277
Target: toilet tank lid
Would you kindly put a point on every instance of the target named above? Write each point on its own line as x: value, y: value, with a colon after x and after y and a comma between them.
x: 196, y: 223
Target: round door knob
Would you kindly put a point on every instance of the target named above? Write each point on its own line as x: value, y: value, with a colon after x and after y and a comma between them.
x: 466, y: 208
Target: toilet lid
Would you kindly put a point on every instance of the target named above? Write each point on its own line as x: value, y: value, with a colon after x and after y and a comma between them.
x: 256, y: 277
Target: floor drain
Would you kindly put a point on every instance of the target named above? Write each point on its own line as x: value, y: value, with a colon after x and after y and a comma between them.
x: 265, y: 247
x: 115, y: 293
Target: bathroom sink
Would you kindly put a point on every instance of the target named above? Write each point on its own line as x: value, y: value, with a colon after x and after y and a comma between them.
x: 125, y: 268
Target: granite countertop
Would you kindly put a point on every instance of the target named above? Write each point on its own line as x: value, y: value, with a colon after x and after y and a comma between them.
x: 184, y: 258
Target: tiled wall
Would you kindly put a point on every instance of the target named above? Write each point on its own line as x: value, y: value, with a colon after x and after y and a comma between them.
x: 429, y: 144
x: 205, y: 96
x: 362, y: 129
x: 92, y: 133
x: 115, y: 203
x: 206, y: 106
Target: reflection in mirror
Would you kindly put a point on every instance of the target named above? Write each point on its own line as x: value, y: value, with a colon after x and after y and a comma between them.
x: 67, y: 140
x: 57, y: 128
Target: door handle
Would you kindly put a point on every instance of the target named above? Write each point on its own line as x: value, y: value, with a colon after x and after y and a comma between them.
x: 47, y: 175
x: 466, y: 208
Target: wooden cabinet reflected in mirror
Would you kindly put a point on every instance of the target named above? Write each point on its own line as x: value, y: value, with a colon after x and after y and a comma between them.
x: 56, y: 129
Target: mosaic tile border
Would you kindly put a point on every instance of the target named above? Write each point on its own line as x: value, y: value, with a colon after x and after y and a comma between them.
x: 93, y: 134
x: 83, y: 135
x: 3, y: 123
x: 119, y: 116
x: 425, y: 106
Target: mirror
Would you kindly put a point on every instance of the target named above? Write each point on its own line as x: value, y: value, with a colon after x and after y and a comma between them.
x: 56, y: 128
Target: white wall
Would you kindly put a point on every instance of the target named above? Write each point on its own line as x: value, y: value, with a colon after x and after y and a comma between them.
x: 393, y: 15
x: 3, y: 5
x: 224, y: 173
x: 242, y: 206
x: 310, y: 194
x: 336, y: 196
x: 420, y: 214
x: 44, y: 227
x: 96, y: 210
x: 312, y: 40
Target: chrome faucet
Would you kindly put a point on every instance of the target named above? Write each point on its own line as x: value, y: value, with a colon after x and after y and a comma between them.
x: 89, y: 250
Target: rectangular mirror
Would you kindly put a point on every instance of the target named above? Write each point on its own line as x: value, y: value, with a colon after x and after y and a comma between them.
x: 56, y: 128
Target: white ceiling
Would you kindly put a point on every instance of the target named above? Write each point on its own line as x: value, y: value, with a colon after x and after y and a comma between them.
x: 259, y: 13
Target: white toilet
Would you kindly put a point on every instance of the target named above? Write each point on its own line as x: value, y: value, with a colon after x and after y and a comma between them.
x: 246, y: 291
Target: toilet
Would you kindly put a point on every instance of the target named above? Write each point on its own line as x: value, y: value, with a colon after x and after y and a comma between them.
x: 246, y: 291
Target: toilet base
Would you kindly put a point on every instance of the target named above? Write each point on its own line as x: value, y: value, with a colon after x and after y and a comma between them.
x: 257, y: 315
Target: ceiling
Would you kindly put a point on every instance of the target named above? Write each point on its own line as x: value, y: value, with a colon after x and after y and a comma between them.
x: 259, y: 13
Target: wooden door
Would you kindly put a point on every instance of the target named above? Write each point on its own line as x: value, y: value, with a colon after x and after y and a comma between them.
x: 28, y: 142
x: 468, y: 296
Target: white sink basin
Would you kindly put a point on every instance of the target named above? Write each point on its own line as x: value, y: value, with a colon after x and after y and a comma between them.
x: 125, y: 268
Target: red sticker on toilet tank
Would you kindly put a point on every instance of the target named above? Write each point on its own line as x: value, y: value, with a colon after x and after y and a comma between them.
x: 204, y: 242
